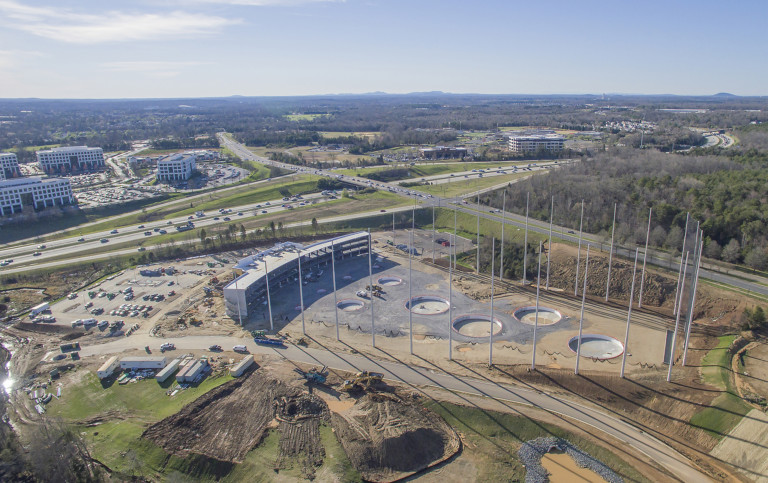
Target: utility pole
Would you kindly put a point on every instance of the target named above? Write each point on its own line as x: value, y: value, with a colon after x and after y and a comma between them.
x: 677, y: 322
x: 536, y: 319
x: 645, y: 257
x: 525, y: 243
x: 503, y: 222
x: 549, y: 241
x: 370, y: 282
x: 693, y: 298
x: 680, y: 273
x: 451, y: 266
x: 493, y: 261
x: 269, y: 298
x: 301, y: 297
x: 393, y: 230
x: 610, y: 255
x: 581, y: 318
x: 629, y: 315
x: 578, y: 254
x: 477, y: 268
x: 335, y: 300
x: 433, y: 233
x: 410, y: 294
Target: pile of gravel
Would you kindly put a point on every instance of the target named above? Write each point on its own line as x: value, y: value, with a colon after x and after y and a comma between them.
x: 532, y: 451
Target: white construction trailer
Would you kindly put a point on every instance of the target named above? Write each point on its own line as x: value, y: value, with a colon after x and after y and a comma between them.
x: 108, y: 368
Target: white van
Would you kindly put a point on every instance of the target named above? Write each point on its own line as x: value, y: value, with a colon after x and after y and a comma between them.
x: 240, y: 348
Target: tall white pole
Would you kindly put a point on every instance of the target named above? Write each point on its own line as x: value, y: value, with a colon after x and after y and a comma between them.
x: 301, y: 298
x: 629, y: 314
x: 581, y: 317
x: 269, y: 299
x: 433, y: 233
x: 680, y: 273
x: 525, y: 242
x: 693, y: 301
x: 451, y: 265
x: 335, y: 299
x: 370, y: 282
x: 677, y: 322
x: 503, y: 222
x: 536, y: 319
x: 610, y: 255
x: 493, y: 261
x: 410, y: 294
x: 549, y: 251
x: 477, y: 256
x: 645, y: 257
x: 393, y: 230
x: 578, y: 254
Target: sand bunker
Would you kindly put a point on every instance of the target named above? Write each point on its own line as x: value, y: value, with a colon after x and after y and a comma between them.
x: 350, y: 305
x: 389, y: 281
x: 597, y: 346
x: 477, y: 325
x: 427, y: 305
x: 547, y: 316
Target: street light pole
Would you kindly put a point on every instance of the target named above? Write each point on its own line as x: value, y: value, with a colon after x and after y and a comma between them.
x: 578, y: 254
x: 549, y: 242
x: 610, y: 255
x: 581, y: 317
x: 645, y: 257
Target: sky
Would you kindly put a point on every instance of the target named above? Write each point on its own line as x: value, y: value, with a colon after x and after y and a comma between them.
x: 216, y: 48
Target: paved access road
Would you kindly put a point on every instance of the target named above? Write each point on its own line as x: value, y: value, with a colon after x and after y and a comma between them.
x: 667, y: 457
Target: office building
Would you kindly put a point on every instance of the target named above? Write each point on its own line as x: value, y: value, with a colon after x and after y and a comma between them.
x: 534, y: 142
x: 39, y: 193
x: 9, y: 166
x: 70, y: 159
x: 176, y: 167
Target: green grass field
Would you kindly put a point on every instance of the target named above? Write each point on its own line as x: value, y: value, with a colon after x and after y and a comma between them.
x: 727, y: 409
x: 464, y: 186
x: 127, y: 410
x: 491, y: 441
x: 421, y: 170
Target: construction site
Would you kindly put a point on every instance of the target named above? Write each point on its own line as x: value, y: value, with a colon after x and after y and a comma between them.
x: 288, y: 415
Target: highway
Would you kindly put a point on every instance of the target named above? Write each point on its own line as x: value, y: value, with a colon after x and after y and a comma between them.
x: 416, y: 376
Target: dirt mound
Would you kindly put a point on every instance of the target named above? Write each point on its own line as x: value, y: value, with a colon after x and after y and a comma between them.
x: 232, y: 419
x: 388, y: 438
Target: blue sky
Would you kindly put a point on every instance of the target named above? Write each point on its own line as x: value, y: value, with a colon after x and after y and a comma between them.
x: 194, y: 48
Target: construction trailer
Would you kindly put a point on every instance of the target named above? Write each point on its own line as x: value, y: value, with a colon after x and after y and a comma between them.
x: 242, y: 366
x: 39, y: 309
x: 168, y: 370
x: 108, y: 368
x: 190, y: 371
x: 142, y: 362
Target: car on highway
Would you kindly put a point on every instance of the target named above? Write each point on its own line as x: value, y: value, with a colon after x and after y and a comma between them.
x: 36, y: 254
x: 169, y: 222
x: 216, y: 218
x: 147, y: 233
x: 142, y: 249
x: 41, y: 247
x: 226, y: 218
x: 114, y: 232
x: 141, y: 227
x: 81, y: 239
x: 104, y: 240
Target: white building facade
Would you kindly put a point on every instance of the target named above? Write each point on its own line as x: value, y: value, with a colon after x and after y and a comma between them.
x: 9, y: 166
x: 39, y: 193
x: 70, y: 159
x: 526, y: 144
x: 176, y: 167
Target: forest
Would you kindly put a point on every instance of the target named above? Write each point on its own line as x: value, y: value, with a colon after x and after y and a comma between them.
x: 726, y: 194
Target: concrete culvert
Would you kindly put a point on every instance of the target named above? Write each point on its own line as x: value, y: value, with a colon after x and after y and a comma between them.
x: 427, y: 305
x: 547, y: 316
x: 597, y: 346
x: 477, y: 326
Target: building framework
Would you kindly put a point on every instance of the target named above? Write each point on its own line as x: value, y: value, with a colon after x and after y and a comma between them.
x: 39, y: 193
x: 279, y: 266
x: 70, y: 159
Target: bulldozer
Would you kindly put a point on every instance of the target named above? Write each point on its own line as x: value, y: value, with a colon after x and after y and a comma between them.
x: 363, y: 381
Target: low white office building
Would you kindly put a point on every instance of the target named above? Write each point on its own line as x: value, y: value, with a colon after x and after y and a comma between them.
x: 39, y: 193
x: 176, y: 167
x: 70, y: 159
x: 9, y: 166
x: 142, y: 362
x: 532, y: 143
